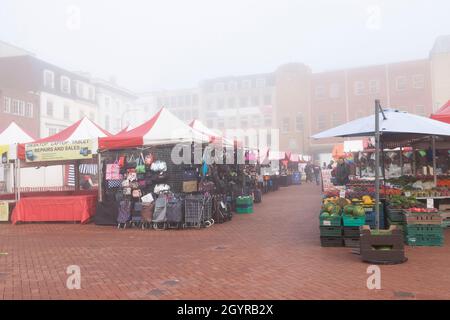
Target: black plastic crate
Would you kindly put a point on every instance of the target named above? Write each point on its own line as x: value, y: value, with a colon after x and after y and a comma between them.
x: 331, y: 241
x: 352, y: 242
x: 351, y: 232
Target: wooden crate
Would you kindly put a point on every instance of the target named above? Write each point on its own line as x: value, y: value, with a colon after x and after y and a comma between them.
x: 372, y: 246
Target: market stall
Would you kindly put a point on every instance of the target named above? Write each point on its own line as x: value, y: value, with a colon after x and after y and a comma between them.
x: 9, y: 138
x: 159, y: 175
x: 76, y: 145
x: 357, y: 202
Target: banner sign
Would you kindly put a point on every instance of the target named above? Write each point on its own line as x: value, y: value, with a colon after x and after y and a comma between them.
x: 4, y: 211
x: 59, y: 150
x: 4, y: 149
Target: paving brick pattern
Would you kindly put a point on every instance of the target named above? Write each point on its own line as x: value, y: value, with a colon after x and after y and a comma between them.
x: 274, y: 253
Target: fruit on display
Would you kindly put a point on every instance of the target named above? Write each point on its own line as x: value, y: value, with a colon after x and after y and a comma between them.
x: 358, y: 211
x: 348, y: 210
x: 367, y: 200
x: 422, y: 210
x: 403, y: 202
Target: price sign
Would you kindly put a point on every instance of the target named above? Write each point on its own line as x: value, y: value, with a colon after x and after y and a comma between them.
x: 342, y: 193
x: 430, y: 203
x: 327, y: 223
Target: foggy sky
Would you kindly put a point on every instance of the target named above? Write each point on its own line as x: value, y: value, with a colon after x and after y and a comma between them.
x: 150, y: 45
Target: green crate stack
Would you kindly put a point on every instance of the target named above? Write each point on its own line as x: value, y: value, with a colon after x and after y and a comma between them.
x: 244, y: 204
x: 424, y: 235
x: 331, y: 231
x: 351, y: 221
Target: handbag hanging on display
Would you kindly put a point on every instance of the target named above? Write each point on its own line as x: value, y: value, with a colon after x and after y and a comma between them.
x: 148, y: 160
x: 112, y: 184
x: 136, y: 193
x: 121, y: 161
x: 160, y: 176
x: 130, y: 162
x: 142, y: 183
x: 140, y: 165
x: 127, y: 191
x: 125, y: 183
x: 138, y: 206
x: 113, y: 171
x: 134, y: 185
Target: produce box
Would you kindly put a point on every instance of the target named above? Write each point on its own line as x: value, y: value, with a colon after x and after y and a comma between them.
x: 330, y: 221
x: 351, y: 232
x: 244, y: 204
x: 352, y: 242
x: 330, y: 231
x: 352, y: 221
x: 423, y: 217
x: 244, y: 209
x: 445, y: 223
x: 425, y: 241
x: 331, y: 241
x: 395, y: 215
x: 382, y: 246
x: 434, y: 230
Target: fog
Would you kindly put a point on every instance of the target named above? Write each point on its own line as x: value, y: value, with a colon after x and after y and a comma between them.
x: 151, y: 45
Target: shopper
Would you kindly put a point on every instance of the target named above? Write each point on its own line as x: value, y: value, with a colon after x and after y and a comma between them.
x: 316, y: 170
x: 330, y: 166
x: 342, y: 171
x: 309, y: 172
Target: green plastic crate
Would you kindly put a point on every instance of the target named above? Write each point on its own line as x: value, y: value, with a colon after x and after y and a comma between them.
x: 330, y: 231
x: 424, y: 230
x: 248, y: 209
x: 331, y: 221
x: 425, y: 241
x: 350, y: 221
x: 244, y: 201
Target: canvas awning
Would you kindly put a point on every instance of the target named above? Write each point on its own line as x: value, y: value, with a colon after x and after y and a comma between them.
x: 443, y: 114
x: 163, y: 128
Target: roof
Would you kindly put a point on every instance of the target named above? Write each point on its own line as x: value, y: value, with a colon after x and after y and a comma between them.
x: 15, y: 134
x: 441, y: 45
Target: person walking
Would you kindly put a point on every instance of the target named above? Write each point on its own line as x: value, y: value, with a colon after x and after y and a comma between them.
x: 309, y: 172
x: 316, y: 170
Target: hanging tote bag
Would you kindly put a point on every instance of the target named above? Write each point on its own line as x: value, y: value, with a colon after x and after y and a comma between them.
x: 113, y: 171
x: 140, y: 165
x: 121, y: 161
x: 149, y: 158
x: 112, y: 184
x: 136, y: 193
x: 130, y: 162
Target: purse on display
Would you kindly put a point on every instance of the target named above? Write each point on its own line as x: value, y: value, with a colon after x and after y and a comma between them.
x: 148, y: 160
x: 127, y: 191
x: 142, y: 183
x: 112, y: 184
x: 160, y: 176
x: 134, y: 185
x: 189, y: 175
x: 189, y: 186
x: 118, y: 196
x: 140, y: 165
x: 138, y: 206
x: 113, y: 171
x: 125, y: 183
x: 121, y: 161
x: 159, y: 188
x: 148, y: 198
x: 132, y: 176
x: 136, y: 193
x: 159, y: 166
x: 206, y: 186
x: 130, y: 162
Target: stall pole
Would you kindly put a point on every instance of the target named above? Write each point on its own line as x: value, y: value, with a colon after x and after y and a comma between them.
x: 100, y: 177
x: 77, y: 175
x: 414, y: 162
x: 377, y: 164
x: 18, y: 179
x: 14, y: 182
x: 433, y: 139
x: 401, y: 161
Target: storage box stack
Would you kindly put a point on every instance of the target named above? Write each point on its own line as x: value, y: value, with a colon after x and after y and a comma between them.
x: 423, y: 229
x: 371, y: 216
x: 331, y: 231
x: 244, y: 204
x: 396, y: 217
x: 351, y: 231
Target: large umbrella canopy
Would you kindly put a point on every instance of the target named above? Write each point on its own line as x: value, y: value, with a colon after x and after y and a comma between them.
x: 14, y: 134
x: 443, y: 114
x: 396, y: 124
x: 163, y: 128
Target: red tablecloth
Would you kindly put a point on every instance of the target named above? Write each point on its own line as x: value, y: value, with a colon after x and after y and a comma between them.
x: 60, y: 208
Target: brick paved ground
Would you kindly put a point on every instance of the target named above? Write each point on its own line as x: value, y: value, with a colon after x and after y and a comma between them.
x: 272, y: 254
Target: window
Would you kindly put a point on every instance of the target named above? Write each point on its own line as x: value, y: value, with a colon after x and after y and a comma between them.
x: 374, y: 86
x: 420, y: 110
x: 21, y: 108
x: 50, y: 108
x: 52, y: 131
x: 359, y: 88
x: 267, y: 121
x: 194, y: 100
x: 49, y: 79
x: 243, y: 102
x: 418, y: 81
x: 80, y: 89
x: 66, y: 112
x: 255, y: 101
x: 244, y: 122
x: 256, y: 121
x: 65, y: 84
x: 246, y: 84
x: 29, y: 110
x: 231, y: 103
x: 320, y: 92
x: 91, y: 93
x: 321, y: 122
x: 267, y: 100
x: 7, y: 105
x: 285, y: 125
x: 261, y: 83
x: 400, y: 83
x: 220, y: 103
x: 299, y: 122
x: 107, y: 123
x: 107, y: 102
x: 334, y: 91
x: 232, y: 85
x: 14, y: 107
x: 219, y: 86
x: 335, y: 119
